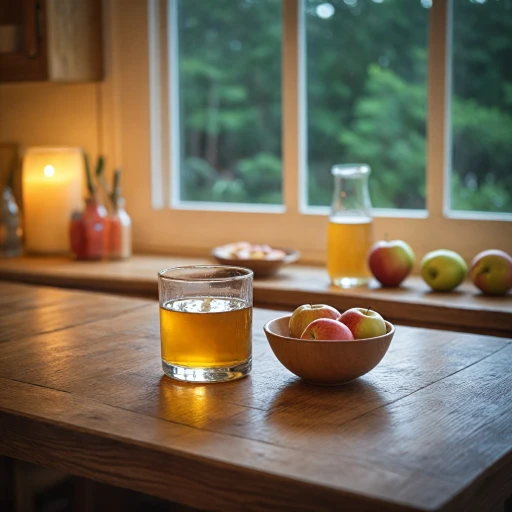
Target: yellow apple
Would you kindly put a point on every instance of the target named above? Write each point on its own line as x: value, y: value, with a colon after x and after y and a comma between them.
x: 306, y: 313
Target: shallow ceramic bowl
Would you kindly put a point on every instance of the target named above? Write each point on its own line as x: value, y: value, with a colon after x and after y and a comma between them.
x: 261, y: 268
x: 329, y: 363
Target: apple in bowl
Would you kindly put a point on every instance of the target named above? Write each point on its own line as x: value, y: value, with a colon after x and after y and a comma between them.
x: 327, y: 329
x: 363, y: 323
x: 306, y: 314
x: 323, y: 322
x: 327, y: 354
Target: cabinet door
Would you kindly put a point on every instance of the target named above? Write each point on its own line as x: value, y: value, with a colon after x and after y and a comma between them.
x: 22, y: 41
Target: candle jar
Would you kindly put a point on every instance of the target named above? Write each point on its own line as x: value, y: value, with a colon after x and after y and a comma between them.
x: 119, y: 233
x: 52, y: 191
x: 10, y: 226
x: 88, y: 232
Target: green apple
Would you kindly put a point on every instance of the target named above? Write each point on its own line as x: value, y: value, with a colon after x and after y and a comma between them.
x: 443, y: 270
x: 491, y: 272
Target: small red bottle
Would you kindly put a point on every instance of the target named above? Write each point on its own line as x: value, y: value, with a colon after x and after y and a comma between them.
x: 87, y: 232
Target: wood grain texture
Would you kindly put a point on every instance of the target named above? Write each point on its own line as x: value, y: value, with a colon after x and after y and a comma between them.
x: 430, y: 428
x: 413, y: 304
x: 62, y: 42
x: 75, y: 40
x: 30, y: 63
x: 25, y: 312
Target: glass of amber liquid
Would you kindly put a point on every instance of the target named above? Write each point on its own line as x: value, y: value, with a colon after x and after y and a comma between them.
x: 205, y: 322
x: 349, y: 236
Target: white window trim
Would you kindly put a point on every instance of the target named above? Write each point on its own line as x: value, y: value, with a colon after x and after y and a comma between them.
x: 155, y: 105
x: 197, y: 231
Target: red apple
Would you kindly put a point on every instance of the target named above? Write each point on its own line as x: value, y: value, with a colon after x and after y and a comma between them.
x: 328, y: 330
x: 491, y: 272
x: 391, y: 262
x: 364, y: 323
x: 305, y: 314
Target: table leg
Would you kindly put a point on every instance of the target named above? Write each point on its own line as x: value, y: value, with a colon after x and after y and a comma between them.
x: 7, y: 498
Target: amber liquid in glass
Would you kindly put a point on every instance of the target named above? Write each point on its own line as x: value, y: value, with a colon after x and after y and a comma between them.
x: 349, y: 241
x: 205, y: 332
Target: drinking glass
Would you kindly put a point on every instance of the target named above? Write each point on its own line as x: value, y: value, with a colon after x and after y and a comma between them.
x: 205, y: 322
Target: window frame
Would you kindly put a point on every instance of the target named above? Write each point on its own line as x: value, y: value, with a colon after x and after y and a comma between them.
x: 139, y: 39
x: 447, y: 210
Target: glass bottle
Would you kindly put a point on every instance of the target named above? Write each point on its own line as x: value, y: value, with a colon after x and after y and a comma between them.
x: 87, y: 232
x: 94, y: 229
x: 10, y: 226
x: 119, y: 239
x: 350, y: 226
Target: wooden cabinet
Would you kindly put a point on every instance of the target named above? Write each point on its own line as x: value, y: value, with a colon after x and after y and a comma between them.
x: 51, y: 40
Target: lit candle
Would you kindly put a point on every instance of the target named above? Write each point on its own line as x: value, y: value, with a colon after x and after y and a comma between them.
x: 52, y: 191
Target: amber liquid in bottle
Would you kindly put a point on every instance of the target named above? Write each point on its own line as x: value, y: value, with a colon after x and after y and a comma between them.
x: 349, y: 242
x: 206, y: 332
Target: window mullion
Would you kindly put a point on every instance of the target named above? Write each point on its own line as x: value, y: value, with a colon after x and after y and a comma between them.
x: 290, y: 97
x: 438, y: 108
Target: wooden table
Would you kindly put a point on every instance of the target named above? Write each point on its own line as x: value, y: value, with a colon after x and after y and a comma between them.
x: 413, y: 304
x: 81, y: 390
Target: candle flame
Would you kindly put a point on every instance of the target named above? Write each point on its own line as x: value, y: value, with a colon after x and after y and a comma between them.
x: 49, y: 170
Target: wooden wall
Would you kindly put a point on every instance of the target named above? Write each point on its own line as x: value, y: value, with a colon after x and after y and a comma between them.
x: 34, y: 114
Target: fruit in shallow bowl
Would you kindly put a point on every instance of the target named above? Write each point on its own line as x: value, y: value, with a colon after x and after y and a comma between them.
x: 443, y: 270
x: 248, y: 251
x: 327, y: 363
x: 491, y: 272
x: 263, y: 260
x: 391, y: 262
x: 306, y: 313
x: 327, y: 329
x: 363, y: 323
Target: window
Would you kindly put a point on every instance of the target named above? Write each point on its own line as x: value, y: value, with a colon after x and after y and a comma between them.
x: 481, y: 106
x: 366, y: 73
x: 229, y: 96
x: 396, y: 117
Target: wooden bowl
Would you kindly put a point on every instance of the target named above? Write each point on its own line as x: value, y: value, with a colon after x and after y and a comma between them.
x: 328, y: 363
x: 261, y: 268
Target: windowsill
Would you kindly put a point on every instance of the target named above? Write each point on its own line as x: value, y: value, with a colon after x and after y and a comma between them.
x: 412, y: 304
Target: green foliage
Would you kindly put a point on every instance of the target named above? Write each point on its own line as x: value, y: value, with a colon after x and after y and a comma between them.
x: 389, y: 134
x: 482, y: 107
x: 366, y: 71
x: 487, y: 196
x: 481, y: 176
x: 367, y: 98
x: 230, y: 92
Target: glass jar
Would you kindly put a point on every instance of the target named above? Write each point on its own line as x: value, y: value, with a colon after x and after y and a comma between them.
x: 10, y: 226
x: 350, y: 226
